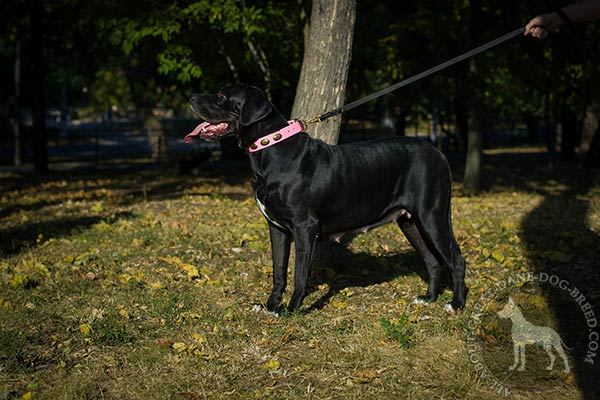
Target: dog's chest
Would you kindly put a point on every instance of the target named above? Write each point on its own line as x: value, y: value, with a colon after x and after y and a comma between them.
x: 265, y: 212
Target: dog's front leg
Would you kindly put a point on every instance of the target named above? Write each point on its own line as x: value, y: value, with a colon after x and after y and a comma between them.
x: 280, y: 250
x: 305, y: 245
x: 516, y: 354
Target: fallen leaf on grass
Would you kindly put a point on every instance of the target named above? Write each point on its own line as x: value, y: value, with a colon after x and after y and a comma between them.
x: 288, y: 334
x: 272, y: 365
x: 180, y: 346
x: 191, y: 270
x: 498, y: 256
x: 164, y: 342
x: 339, y: 304
x: 21, y: 280
x: 199, y: 338
x: 85, y: 329
x: 365, y: 376
x: 97, y: 208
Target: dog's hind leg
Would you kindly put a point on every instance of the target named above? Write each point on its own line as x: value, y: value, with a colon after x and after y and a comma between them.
x: 433, y: 266
x: 435, y: 226
x: 280, y: 248
x: 561, y: 353
x: 548, y: 348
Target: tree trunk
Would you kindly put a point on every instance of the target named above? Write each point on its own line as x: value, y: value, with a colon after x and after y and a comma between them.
x: 592, y: 158
x: 38, y: 75
x: 472, y: 179
x: 15, y: 108
x: 327, y: 53
x: 461, y: 107
x: 157, y: 138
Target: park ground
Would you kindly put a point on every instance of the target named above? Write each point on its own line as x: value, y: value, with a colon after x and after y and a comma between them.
x: 140, y: 284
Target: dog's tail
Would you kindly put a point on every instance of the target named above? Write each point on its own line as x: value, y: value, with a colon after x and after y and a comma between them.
x: 563, y: 343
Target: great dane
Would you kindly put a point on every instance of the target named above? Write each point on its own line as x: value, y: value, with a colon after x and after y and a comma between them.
x: 309, y: 190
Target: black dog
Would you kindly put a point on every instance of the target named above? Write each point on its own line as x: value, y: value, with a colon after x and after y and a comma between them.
x: 309, y: 190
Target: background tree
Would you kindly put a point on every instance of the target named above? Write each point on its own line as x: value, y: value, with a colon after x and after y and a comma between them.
x: 327, y: 53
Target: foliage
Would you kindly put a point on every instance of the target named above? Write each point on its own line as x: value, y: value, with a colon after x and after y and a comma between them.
x: 110, y: 88
x: 398, y: 329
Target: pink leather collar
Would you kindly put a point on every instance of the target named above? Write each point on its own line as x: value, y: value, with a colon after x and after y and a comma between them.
x: 293, y: 128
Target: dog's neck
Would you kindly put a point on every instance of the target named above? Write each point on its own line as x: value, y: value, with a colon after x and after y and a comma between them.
x: 273, y: 122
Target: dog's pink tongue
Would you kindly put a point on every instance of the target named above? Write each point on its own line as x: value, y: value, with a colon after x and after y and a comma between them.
x: 197, y: 130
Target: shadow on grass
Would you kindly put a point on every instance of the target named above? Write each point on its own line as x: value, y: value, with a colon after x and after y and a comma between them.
x: 15, y: 240
x: 558, y: 242
x: 340, y: 268
x: 118, y: 188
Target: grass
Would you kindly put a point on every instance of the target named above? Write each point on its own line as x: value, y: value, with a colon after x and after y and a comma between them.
x: 141, y: 286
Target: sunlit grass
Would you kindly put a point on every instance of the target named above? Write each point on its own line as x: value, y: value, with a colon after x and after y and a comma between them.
x: 142, y: 286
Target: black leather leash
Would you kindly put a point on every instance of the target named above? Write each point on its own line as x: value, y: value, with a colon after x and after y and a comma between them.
x: 415, y: 78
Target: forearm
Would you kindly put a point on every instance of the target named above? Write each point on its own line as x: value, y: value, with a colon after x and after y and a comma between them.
x: 578, y: 12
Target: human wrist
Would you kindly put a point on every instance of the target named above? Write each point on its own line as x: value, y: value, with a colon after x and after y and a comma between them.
x: 555, y: 20
x: 560, y: 18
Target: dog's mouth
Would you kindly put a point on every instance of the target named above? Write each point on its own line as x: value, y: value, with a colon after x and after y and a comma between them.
x: 209, y: 131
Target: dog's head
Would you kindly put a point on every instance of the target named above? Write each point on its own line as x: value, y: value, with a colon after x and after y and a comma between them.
x: 229, y: 111
x: 508, y: 309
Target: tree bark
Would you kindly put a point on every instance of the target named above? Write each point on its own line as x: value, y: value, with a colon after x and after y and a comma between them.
x: 38, y: 79
x: 157, y: 137
x: 472, y: 179
x: 327, y: 54
x: 592, y: 157
x: 15, y: 108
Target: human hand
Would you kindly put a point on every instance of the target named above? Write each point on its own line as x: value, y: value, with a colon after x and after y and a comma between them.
x: 539, y: 26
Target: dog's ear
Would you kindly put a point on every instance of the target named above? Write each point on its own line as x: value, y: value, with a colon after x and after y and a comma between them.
x: 255, y: 108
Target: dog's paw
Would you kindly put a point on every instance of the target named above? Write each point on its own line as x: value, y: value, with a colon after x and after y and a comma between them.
x: 424, y: 299
x: 449, y: 309
x: 257, y: 308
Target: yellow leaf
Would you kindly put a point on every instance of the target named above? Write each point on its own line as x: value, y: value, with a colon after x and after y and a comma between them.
x: 179, y: 346
x: 98, y: 207
x: 85, y: 329
x: 199, y: 353
x: 20, y: 280
x: 272, y: 365
x: 228, y: 316
x: 192, y: 272
x: 40, y: 268
x: 339, y: 304
x: 486, y: 253
x: 199, y: 338
x: 498, y: 256
x: 27, y: 396
x: 537, y: 301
